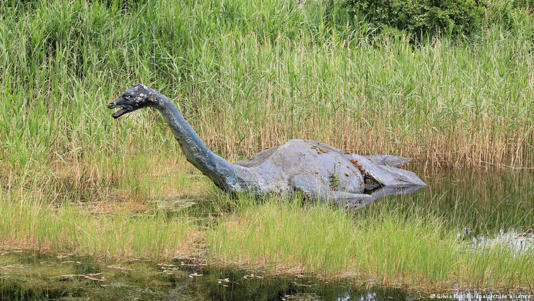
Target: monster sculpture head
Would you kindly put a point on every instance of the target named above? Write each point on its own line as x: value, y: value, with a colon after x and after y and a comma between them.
x: 137, y: 97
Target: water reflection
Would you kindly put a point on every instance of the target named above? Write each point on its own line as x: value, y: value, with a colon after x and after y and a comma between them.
x: 33, y: 276
x: 475, y: 202
x: 239, y: 285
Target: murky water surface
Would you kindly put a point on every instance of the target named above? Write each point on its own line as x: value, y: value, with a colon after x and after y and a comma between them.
x: 483, y: 206
x: 477, y: 202
x: 34, y: 276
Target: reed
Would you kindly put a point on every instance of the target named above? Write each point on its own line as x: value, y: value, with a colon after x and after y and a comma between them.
x: 385, y: 248
x: 250, y: 75
x: 73, y: 229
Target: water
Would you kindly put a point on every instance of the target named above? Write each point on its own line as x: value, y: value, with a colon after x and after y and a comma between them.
x: 474, y: 202
x: 484, y: 207
x: 35, y: 276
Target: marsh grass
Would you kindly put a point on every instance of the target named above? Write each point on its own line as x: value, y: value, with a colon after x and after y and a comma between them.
x: 385, y: 248
x: 248, y: 75
x: 409, y: 241
x: 72, y: 229
x: 483, y: 202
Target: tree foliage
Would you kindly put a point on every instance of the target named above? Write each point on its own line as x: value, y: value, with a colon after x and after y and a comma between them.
x: 420, y: 17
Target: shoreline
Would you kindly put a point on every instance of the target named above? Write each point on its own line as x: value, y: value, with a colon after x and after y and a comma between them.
x: 396, y: 252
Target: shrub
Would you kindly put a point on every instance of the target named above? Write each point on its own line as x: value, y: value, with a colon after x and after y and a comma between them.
x: 420, y: 17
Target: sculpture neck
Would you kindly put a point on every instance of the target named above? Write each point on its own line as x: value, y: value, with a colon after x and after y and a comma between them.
x: 220, y: 171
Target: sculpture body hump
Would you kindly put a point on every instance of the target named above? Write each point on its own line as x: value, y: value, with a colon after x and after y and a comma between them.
x: 306, y: 166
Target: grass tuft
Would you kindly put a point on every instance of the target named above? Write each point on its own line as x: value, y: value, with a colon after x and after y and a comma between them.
x: 382, y: 249
x: 72, y: 229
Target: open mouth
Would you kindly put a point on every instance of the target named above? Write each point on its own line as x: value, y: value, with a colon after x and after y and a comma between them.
x: 123, y: 109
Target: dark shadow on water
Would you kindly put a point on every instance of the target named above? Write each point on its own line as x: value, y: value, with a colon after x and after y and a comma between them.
x: 226, y: 284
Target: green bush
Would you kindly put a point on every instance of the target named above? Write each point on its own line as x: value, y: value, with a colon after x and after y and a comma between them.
x: 420, y: 17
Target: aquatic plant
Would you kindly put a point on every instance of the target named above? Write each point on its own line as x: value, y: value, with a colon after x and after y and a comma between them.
x: 70, y: 229
x: 384, y: 248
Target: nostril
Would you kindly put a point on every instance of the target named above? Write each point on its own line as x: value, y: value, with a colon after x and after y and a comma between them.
x: 111, y: 105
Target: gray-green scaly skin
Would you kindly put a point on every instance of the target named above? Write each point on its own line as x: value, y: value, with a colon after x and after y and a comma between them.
x: 311, y: 168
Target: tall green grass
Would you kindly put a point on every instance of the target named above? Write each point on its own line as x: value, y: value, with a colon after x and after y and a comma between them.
x: 384, y: 248
x: 250, y: 75
x: 73, y: 229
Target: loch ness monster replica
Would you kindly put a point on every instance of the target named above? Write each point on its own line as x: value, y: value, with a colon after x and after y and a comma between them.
x: 309, y: 168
